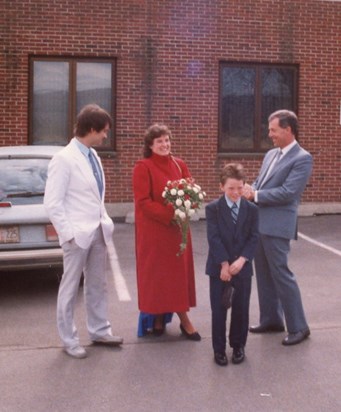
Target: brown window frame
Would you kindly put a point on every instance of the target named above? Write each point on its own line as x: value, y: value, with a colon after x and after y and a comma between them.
x: 257, y: 114
x: 72, y: 103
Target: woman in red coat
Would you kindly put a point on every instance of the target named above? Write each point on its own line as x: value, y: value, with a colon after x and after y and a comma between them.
x: 165, y: 281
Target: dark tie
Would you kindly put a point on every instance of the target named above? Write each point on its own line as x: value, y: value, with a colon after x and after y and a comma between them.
x: 97, y: 176
x: 234, y: 212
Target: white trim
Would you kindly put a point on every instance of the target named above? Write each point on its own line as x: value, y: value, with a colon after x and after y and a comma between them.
x: 319, y: 244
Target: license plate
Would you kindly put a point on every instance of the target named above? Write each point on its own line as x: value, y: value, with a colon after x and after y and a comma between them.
x: 9, y: 234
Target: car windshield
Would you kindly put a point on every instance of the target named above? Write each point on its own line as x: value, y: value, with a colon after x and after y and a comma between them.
x: 23, y: 180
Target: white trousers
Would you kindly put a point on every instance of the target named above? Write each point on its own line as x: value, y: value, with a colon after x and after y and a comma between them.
x: 92, y: 263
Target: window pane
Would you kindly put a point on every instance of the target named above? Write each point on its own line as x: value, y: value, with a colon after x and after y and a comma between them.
x: 22, y: 176
x: 50, y: 102
x: 278, y: 86
x: 94, y: 85
x: 237, y: 108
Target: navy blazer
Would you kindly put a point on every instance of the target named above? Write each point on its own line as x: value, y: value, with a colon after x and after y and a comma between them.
x: 226, y: 240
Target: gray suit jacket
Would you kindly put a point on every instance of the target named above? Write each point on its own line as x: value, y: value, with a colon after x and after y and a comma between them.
x: 280, y: 193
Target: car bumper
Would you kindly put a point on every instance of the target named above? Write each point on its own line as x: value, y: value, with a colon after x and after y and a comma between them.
x: 31, y: 259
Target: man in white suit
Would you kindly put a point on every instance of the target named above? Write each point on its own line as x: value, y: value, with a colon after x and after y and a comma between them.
x: 277, y: 191
x: 74, y: 200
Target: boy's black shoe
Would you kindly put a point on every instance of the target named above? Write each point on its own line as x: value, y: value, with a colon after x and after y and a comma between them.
x: 220, y: 358
x: 238, y: 355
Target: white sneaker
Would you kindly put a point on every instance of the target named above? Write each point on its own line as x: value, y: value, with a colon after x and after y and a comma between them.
x: 109, y: 340
x: 76, y: 352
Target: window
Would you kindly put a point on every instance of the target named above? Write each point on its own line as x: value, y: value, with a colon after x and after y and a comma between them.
x: 59, y: 89
x: 249, y: 93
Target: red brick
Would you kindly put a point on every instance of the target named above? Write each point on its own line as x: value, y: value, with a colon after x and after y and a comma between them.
x: 175, y: 34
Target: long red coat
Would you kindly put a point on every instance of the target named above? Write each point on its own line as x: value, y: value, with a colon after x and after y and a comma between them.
x: 165, y: 281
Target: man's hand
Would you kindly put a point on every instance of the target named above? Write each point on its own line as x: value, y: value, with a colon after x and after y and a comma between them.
x: 248, y: 192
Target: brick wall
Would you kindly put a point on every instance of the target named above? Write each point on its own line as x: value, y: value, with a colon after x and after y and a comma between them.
x: 168, y: 55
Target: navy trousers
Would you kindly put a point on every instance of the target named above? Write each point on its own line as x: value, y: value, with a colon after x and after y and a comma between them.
x: 239, y: 324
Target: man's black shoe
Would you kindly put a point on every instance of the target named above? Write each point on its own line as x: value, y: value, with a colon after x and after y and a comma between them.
x: 295, y: 338
x: 266, y: 329
x: 238, y: 355
x: 220, y: 359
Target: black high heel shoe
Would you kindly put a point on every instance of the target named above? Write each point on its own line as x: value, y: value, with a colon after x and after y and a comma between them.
x: 191, y: 336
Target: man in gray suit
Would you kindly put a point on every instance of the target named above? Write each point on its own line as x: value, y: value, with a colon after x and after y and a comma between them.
x: 277, y: 191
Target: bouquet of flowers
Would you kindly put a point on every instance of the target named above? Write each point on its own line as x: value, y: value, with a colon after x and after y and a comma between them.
x: 186, y: 197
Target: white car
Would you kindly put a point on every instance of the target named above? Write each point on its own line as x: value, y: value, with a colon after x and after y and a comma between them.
x: 27, y: 238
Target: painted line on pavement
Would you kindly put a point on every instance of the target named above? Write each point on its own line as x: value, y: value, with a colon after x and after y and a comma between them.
x: 319, y: 244
x: 120, y: 283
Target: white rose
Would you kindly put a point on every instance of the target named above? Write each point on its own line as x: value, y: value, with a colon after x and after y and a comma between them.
x: 191, y: 212
x: 187, y: 204
x: 181, y: 192
x: 164, y: 193
x: 182, y: 215
x: 195, y: 189
x: 173, y: 192
x: 178, y: 202
x: 201, y: 196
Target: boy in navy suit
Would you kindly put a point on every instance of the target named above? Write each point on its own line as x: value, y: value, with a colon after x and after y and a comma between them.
x: 232, y: 233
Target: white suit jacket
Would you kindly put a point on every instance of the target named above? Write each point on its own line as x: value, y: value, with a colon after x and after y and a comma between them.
x: 72, y: 199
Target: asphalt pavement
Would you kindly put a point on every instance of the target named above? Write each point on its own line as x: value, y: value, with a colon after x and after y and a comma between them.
x: 170, y: 373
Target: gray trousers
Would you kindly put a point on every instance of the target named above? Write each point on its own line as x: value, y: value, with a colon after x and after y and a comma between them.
x: 91, y: 262
x: 278, y: 292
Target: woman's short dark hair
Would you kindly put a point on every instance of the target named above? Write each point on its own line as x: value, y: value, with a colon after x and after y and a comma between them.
x: 153, y: 132
x: 286, y: 118
x: 90, y: 117
x: 232, y: 171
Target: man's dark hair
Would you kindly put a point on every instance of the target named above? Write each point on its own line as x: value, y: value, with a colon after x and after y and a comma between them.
x: 286, y: 118
x: 90, y: 117
x: 153, y: 132
x: 232, y: 171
